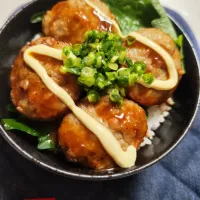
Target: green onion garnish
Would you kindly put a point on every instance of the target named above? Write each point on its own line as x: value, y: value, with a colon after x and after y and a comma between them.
x: 132, y: 79
x: 93, y: 96
x: 102, y: 66
x: 116, y: 97
x: 130, y: 40
x: 148, y: 78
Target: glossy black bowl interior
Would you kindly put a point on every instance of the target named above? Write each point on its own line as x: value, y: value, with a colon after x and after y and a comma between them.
x: 19, y: 30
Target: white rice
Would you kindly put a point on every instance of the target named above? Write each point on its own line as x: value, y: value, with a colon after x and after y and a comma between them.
x: 157, y: 115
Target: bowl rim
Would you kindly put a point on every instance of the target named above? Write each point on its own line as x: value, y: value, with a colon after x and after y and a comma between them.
x: 98, y: 177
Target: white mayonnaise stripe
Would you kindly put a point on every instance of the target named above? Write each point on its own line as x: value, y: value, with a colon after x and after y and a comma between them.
x: 109, y: 142
x: 173, y: 74
x: 46, y: 51
x: 171, y: 67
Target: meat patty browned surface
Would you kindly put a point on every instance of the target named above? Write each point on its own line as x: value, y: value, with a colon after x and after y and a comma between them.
x: 128, y: 124
x: 155, y: 65
x: 29, y: 94
x: 69, y: 20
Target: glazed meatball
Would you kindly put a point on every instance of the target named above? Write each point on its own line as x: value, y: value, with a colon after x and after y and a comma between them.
x: 69, y: 20
x: 128, y: 124
x: 155, y: 65
x: 29, y: 94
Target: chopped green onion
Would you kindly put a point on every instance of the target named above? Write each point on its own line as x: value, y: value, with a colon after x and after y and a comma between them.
x: 139, y: 68
x: 130, y: 40
x: 76, y: 62
x: 107, y: 46
x: 148, y: 78
x: 66, y: 50
x: 132, y: 79
x: 111, y: 76
x: 111, y: 36
x: 91, y: 36
x: 122, y: 91
x: 129, y: 62
x: 77, y: 49
x: 73, y: 62
x: 99, y: 61
x: 123, y: 81
x: 101, y: 82
x: 103, y: 35
x: 113, y: 66
x: 93, y: 96
x: 68, y: 62
x: 124, y: 72
x: 71, y: 70
x: 84, y: 52
x: 63, y: 69
x: 87, y: 76
x: 114, y: 59
x: 116, y: 97
x: 122, y: 57
x: 105, y: 67
x: 89, y: 60
x: 95, y: 46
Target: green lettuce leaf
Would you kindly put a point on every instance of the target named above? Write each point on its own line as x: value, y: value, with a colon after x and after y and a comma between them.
x: 163, y: 23
x: 135, y: 14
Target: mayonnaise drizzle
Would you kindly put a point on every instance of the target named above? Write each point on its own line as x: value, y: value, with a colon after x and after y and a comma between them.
x: 105, y: 136
x: 171, y: 67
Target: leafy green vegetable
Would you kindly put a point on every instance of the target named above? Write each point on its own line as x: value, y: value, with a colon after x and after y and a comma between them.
x: 135, y: 14
x: 11, y: 108
x: 13, y: 124
x: 148, y: 78
x: 179, y: 43
x: 37, y: 18
x: 46, y: 142
x: 164, y: 23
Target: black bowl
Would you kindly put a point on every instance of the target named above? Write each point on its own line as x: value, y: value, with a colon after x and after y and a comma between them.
x: 18, y: 30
